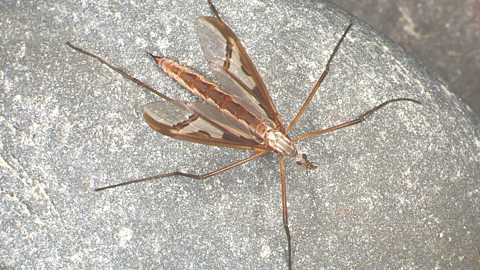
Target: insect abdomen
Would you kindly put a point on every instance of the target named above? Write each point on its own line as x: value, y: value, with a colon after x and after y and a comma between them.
x: 211, y: 93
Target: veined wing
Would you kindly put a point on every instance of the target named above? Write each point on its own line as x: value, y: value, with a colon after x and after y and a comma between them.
x: 224, y: 120
x: 234, y: 69
x: 181, y: 121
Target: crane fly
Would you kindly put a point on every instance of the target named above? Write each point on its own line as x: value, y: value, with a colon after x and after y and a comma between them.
x: 237, y: 113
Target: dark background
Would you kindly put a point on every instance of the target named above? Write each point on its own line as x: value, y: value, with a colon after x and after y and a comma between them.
x: 443, y: 34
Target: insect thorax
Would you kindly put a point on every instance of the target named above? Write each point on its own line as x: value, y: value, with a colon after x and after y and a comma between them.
x: 280, y: 143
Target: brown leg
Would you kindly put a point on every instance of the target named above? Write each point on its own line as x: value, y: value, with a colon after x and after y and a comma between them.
x: 214, y: 9
x: 285, y: 211
x: 320, y: 80
x: 359, y: 119
x: 189, y: 175
x: 121, y: 71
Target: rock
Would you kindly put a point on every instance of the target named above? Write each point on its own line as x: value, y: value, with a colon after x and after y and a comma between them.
x: 397, y: 191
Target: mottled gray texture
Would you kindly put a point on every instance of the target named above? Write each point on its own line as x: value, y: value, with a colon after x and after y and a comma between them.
x: 443, y: 33
x: 398, y: 191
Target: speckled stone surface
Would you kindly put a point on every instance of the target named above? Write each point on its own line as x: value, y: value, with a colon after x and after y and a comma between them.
x: 401, y: 190
x: 443, y: 34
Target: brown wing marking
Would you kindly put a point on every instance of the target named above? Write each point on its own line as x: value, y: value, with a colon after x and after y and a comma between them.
x: 179, y: 121
x: 234, y: 69
x: 225, y: 120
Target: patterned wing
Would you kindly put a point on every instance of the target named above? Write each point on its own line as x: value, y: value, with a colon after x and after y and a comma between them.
x: 234, y: 69
x: 184, y: 122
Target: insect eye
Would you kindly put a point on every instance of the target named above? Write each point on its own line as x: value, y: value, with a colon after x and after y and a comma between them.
x: 304, y: 156
x: 299, y: 163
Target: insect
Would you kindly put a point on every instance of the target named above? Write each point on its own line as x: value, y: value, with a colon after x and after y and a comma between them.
x: 238, y: 114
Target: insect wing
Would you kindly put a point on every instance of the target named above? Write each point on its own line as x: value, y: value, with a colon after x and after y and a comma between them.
x: 225, y: 120
x: 179, y: 121
x: 234, y: 69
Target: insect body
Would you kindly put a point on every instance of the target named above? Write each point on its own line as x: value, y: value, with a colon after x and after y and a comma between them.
x: 254, y: 128
x: 239, y: 113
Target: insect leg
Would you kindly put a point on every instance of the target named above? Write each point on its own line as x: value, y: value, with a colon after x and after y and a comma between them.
x: 189, y: 175
x: 121, y: 71
x: 357, y: 120
x: 214, y: 10
x: 285, y: 211
x: 320, y: 80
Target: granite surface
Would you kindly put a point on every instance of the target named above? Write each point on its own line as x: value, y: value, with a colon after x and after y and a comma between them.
x: 443, y: 34
x: 401, y: 190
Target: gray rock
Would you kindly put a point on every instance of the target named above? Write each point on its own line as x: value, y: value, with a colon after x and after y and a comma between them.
x: 443, y: 34
x: 401, y: 190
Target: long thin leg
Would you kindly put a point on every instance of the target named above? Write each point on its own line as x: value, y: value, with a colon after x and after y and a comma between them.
x: 214, y: 9
x: 121, y: 71
x: 189, y: 175
x: 357, y: 120
x: 320, y: 80
x: 285, y: 211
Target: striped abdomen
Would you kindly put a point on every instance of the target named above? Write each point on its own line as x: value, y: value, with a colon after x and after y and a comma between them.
x: 211, y: 93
